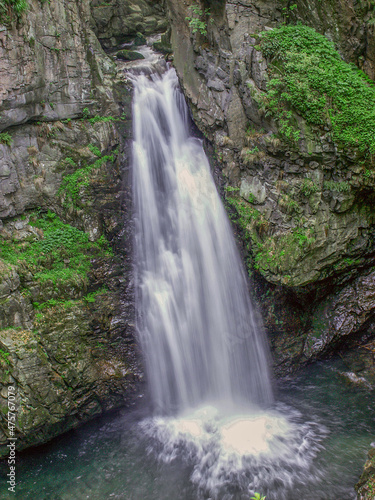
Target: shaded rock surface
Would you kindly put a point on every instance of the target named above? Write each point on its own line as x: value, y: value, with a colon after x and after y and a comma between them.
x: 66, y: 333
x: 116, y: 21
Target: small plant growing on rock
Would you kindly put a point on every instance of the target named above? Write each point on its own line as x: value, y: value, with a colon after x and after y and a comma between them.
x: 196, y: 23
x: 258, y: 496
x: 6, y: 138
x: 8, y: 7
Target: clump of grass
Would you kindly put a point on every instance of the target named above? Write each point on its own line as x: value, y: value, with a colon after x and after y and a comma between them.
x: 10, y: 7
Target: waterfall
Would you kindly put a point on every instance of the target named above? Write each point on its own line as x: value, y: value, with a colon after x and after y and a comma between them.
x: 197, y: 327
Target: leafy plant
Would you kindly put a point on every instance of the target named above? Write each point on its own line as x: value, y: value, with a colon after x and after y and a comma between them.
x: 341, y: 187
x: 309, y: 187
x: 309, y: 76
x: 6, y: 138
x: 258, y: 496
x: 73, y: 184
x: 95, y: 150
x: 7, y: 7
x: 196, y: 22
x: 101, y: 119
x: 62, y: 255
x: 90, y: 297
x: 4, y: 356
x: 85, y: 113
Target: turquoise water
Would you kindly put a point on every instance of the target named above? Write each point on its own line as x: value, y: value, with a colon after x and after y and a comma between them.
x: 117, y: 457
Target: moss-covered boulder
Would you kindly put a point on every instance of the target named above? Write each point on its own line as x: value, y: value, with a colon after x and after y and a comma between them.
x: 129, y: 55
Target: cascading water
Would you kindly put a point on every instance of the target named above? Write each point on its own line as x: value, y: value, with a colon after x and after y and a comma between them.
x: 197, y: 326
x: 206, y: 362
x: 308, y: 446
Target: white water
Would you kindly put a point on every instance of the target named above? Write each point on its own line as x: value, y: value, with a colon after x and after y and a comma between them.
x: 197, y: 326
x: 206, y: 361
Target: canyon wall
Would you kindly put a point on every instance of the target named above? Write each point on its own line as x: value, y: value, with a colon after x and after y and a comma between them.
x: 66, y: 286
x: 303, y: 203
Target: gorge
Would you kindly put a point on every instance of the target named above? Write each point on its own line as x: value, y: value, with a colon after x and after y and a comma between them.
x: 297, y: 187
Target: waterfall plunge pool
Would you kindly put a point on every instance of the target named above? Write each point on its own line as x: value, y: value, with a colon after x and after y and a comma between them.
x: 121, y: 456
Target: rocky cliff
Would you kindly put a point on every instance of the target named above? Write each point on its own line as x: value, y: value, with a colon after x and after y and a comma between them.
x: 66, y: 299
x: 299, y: 181
x: 118, y: 21
x: 300, y: 196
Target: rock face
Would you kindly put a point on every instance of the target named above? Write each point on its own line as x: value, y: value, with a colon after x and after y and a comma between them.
x: 117, y: 21
x: 66, y: 295
x: 366, y: 484
x: 304, y: 208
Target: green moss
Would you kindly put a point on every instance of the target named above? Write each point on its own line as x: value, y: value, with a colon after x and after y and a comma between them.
x: 62, y: 255
x: 309, y: 76
x: 278, y: 253
x: 129, y: 55
x: 73, y: 184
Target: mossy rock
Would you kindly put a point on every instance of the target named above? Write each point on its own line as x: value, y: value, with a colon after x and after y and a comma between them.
x: 140, y: 39
x: 163, y: 48
x: 129, y: 55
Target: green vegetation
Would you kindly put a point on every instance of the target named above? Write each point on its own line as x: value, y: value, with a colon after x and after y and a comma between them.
x: 341, y: 187
x: 196, y: 20
x: 95, y: 150
x: 309, y: 76
x: 4, y: 356
x: 96, y: 118
x: 85, y: 113
x: 280, y: 253
x: 309, y: 187
x: 73, y: 184
x: 6, y: 138
x: 90, y: 297
x: 101, y: 119
x: 51, y: 303
x: 62, y: 255
x: 258, y: 496
x: 276, y: 253
x: 291, y: 206
x: 8, y: 7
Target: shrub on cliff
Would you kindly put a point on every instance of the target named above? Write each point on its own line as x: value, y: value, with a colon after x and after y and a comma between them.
x: 309, y: 76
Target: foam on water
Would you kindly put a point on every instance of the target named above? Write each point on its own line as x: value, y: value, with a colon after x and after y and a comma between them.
x: 269, y: 451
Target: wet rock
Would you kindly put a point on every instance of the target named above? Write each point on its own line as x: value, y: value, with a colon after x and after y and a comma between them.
x: 125, y: 20
x: 67, y: 346
x: 129, y: 55
x: 252, y: 190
